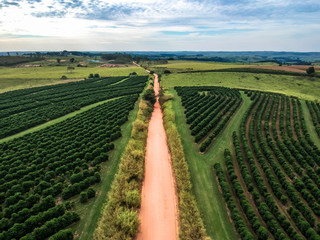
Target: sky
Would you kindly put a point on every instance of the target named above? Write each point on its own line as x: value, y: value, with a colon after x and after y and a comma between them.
x: 160, y: 25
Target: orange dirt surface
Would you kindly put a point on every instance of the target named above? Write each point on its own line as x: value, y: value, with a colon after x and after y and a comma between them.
x: 159, y: 212
x: 291, y: 68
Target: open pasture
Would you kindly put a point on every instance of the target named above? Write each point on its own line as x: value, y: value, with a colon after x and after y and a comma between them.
x: 302, y: 87
x: 12, y: 78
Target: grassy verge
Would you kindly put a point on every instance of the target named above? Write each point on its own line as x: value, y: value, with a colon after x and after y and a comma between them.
x: 204, y: 185
x: 309, y: 124
x: 301, y: 87
x: 119, y: 217
x: 52, y: 122
x: 190, y: 224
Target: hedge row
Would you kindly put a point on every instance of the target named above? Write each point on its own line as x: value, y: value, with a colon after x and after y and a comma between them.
x: 119, y: 218
x: 191, y: 225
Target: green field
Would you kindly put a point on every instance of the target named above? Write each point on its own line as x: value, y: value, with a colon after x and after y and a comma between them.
x: 84, y: 229
x: 302, y: 87
x: 197, y: 65
x: 12, y: 78
x: 210, y: 202
x: 205, y: 188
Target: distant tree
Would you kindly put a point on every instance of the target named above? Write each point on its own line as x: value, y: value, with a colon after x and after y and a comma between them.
x: 72, y: 60
x: 166, y: 71
x: 70, y: 69
x: 149, y: 95
x: 97, y: 75
x: 58, y: 60
x: 310, y: 70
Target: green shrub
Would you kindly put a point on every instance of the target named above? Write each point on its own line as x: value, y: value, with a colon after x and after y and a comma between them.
x: 91, y: 193
x: 83, y: 197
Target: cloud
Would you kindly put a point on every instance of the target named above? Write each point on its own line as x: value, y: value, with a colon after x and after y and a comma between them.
x: 10, y: 3
x: 163, y: 24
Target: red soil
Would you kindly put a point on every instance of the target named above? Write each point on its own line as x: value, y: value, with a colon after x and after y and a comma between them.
x: 159, y: 213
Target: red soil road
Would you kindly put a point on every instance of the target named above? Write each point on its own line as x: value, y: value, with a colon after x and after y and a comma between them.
x: 159, y: 212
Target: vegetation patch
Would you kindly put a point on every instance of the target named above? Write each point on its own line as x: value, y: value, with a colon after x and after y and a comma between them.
x: 301, y: 87
x: 51, y: 102
x: 208, y: 110
x: 43, y: 172
x: 191, y: 225
x: 119, y: 218
x: 272, y: 176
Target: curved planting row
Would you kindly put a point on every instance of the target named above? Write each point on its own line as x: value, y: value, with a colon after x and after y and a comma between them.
x: 208, y: 109
x: 314, y: 109
x: 41, y: 170
x: 277, y: 183
x: 23, y: 109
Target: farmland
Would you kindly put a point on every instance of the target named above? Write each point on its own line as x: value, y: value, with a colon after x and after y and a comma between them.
x: 244, y: 147
x: 48, y: 71
x: 258, y: 177
x: 43, y: 170
x: 302, y: 87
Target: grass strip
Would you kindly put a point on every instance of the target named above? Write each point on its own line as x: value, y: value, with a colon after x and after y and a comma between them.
x: 190, y: 224
x: 119, y: 217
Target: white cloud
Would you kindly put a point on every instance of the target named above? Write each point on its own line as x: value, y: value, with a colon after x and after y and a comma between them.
x: 160, y: 25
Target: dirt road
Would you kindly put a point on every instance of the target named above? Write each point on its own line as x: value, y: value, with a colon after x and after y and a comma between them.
x: 159, y: 211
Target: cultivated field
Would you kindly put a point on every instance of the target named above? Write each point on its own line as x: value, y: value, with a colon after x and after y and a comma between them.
x: 49, y: 175
x: 245, y: 151
x: 249, y: 173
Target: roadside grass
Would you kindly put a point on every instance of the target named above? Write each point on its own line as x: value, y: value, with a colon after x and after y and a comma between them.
x: 309, y: 124
x: 12, y: 78
x: 301, y: 87
x: 205, y: 188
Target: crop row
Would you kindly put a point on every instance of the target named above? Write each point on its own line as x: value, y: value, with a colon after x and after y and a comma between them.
x: 314, y: 109
x: 47, y: 167
x: 208, y: 109
x: 23, y: 109
x: 277, y: 181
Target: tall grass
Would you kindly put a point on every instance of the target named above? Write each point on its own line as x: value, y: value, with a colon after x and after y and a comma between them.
x: 119, y: 218
x: 191, y: 225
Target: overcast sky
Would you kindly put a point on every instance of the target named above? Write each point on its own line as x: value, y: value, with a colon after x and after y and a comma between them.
x: 153, y: 25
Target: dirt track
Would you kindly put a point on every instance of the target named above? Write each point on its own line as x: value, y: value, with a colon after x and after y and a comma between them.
x: 159, y: 212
